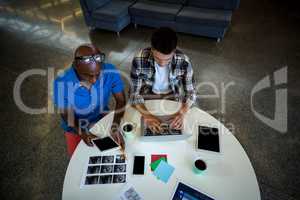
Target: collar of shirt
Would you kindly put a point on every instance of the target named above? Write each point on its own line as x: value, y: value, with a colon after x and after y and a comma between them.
x: 152, y: 61
x: 78, y: 83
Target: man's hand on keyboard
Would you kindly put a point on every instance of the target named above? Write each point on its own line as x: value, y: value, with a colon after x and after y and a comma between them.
x: 153, y: 123
x: 177, y: 122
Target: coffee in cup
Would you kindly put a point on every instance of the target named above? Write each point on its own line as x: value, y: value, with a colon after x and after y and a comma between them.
x: 128, y: 130
x: 128, y: 127
x: 199, y: 166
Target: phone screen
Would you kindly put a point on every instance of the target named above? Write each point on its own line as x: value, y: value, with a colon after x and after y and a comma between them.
x: 139, y: 165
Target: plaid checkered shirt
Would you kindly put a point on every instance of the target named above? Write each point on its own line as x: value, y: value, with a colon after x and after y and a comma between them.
x: 181, y: 80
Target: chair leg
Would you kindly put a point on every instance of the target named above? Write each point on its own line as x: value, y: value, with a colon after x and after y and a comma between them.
x: 62, y: 26
x: 92, y: 28
x: 118, y: 34
x: 135, y: 26
x: 74, y: 14
x: 218, y: 40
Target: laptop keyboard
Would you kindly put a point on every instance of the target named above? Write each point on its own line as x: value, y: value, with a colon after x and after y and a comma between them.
x: 166, y: 131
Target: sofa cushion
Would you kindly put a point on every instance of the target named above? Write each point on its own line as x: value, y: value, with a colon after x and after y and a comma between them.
x: 215, y: 4
x: 211, y: 17
x: 170, y: 1
x: 94, y: 4
x: 112, y: 11
x: 156, y: 10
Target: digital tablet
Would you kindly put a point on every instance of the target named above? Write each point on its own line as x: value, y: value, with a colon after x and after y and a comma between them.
x: 186, y: 192
x: 106, y: 144
x: 208, y: 139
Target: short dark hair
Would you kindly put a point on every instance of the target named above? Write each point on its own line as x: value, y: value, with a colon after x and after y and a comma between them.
x: 164, y: 40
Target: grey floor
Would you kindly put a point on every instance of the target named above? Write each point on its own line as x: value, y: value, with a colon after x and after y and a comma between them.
x: 263, y: 38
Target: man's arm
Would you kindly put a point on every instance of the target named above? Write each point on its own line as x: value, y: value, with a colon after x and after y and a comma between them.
x: 81, y: 127
x: 136, y: 83
x: 60, y: 100
x: 189, y: 96
x: 189, y: 85
x: 137, y: 100
x: 119, y: 108
x: 118, y: 115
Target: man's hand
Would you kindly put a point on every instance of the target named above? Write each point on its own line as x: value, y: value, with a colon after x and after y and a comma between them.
x: 87, y: 138
x: 117, y: 136
x: 177, y: 121
x: 153, y: 123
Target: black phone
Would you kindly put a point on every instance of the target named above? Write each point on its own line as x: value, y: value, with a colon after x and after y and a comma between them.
x: 139, y: 165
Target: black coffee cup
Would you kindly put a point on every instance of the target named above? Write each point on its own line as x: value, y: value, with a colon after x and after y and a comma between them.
x: 199, y: 166
x: 128, y: 128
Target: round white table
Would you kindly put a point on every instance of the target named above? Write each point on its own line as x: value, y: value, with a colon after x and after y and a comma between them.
x: 229, y: 176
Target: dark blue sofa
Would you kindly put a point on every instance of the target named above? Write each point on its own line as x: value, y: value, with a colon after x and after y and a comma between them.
x: 106, y: 14
x: 209, y: 18
x: 156, y: 13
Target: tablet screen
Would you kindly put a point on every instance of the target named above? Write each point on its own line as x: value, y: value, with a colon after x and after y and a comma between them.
x: 185, y: 192
x: 208, y: 139
x: 105, y: 143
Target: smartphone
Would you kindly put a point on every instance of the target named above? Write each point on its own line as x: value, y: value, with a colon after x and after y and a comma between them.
x: 139, y: 165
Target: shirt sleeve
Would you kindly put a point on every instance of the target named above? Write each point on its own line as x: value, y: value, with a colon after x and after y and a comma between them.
x: 117, y: 83
x: 60, y: 96
x: 136, y: 82
x: 188, y: 84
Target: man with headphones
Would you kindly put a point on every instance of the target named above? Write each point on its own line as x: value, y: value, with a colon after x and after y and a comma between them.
x: 82, y: 95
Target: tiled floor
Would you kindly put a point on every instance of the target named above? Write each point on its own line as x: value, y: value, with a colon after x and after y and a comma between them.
x: 264, y: 37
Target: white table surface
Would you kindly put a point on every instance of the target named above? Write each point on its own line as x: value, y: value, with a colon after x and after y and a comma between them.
x: 228, y: 177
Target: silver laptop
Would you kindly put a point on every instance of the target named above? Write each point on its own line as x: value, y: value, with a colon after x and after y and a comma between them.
x: 167, y: 134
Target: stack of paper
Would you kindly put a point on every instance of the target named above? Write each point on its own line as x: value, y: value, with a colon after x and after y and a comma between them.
x: 161, y: 169
x: 155, y: 160
x: 129, y: 193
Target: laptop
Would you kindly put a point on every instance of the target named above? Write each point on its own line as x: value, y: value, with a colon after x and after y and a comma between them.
x: 167, y: 134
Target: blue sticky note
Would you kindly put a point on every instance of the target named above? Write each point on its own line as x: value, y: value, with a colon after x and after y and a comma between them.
x: 164, y: 171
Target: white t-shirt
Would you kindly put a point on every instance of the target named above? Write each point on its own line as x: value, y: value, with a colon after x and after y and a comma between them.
x: 161, y: 80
